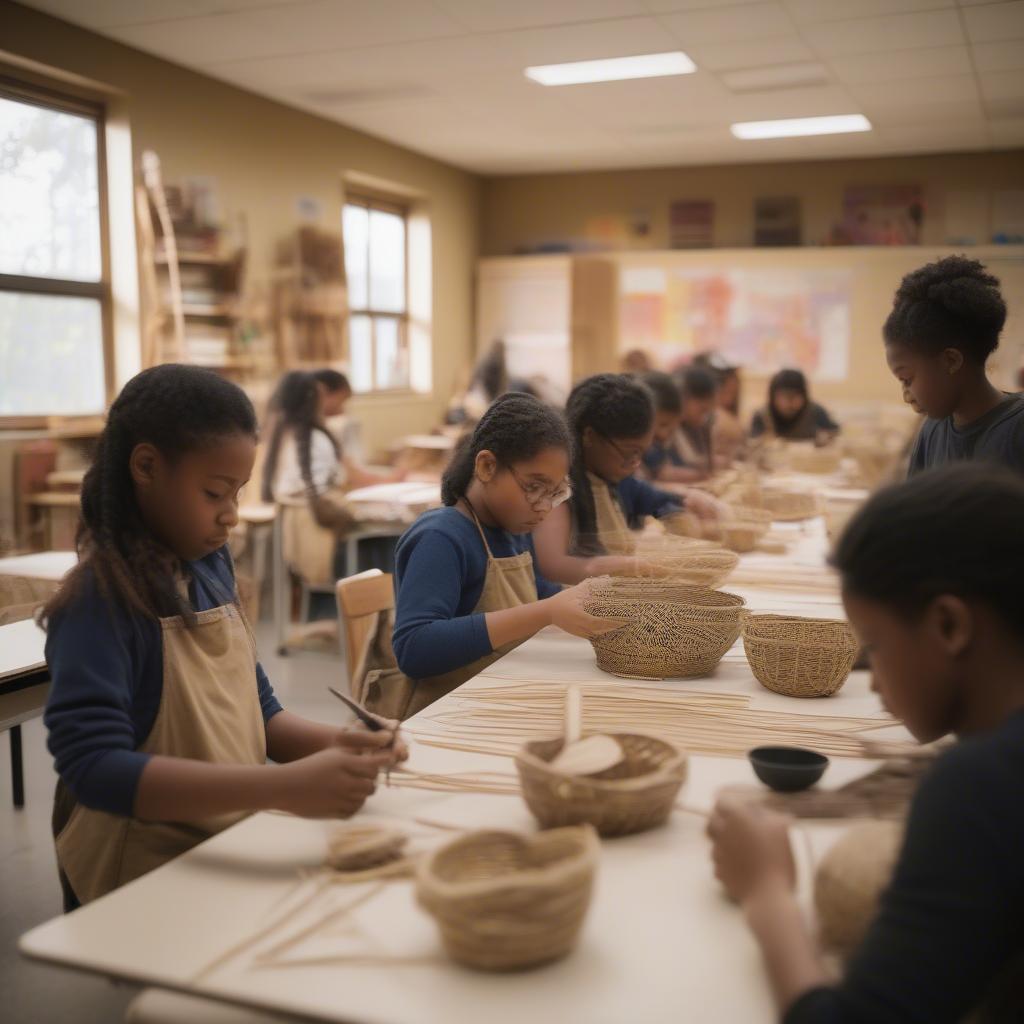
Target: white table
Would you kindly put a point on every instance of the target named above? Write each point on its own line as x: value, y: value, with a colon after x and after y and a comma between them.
x: 49, y: 566
x: 24, y: 687
x: 660, y: 942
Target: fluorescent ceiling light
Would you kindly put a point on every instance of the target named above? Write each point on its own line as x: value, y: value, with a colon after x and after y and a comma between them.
x: 614, y: 69
x: 834, y: 124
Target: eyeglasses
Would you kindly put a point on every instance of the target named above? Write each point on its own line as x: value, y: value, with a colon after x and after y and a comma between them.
x: 628, y: 458
x: 537, y: 494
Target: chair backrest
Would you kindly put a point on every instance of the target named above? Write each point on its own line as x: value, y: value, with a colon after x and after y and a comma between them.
x: 361, y: 598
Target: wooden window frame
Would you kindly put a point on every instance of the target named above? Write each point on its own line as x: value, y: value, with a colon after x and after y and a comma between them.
x: 51, y: 99
x: 368, y: 201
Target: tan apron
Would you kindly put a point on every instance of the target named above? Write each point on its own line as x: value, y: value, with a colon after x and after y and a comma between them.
x: 613, y: 531
x: 383, y: 688
x: 209, y: 711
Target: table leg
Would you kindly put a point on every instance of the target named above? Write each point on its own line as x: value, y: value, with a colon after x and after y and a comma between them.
x: 17, y: 768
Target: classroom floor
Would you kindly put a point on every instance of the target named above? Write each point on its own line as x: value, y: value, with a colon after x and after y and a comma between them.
x: 29, y: 892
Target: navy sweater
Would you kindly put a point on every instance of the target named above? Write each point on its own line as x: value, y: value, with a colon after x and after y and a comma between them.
x: 949, y: 935
x: 440, y: 565
x: 106, y: 667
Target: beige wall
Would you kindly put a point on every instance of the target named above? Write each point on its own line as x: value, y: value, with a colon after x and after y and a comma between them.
x: 522, y: 211
x: 264, y: 156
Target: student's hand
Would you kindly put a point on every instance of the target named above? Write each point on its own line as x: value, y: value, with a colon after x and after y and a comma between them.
x: 335, y: 782
x: 704, y: 505
x: 751, y: 850
x: 624, y: 565
x: 566, y: 611
x: 399, y: 748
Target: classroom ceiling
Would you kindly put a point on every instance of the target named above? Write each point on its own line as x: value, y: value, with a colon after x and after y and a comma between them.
x: 445, y: 77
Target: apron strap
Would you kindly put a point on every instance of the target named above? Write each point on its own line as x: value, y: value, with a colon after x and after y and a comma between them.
x: 480, y: 529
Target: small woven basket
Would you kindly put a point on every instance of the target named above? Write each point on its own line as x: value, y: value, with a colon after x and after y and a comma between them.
x: 635, y: 795
x: 671, y: 630
x: 790, y: 506
x: 694, y: 563
x: 799, y: 657
x: 505, y: 901
x: 741, y: 537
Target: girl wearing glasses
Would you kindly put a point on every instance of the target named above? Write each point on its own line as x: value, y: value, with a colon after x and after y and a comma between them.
x: 611, y: 417
x: 467, y: 587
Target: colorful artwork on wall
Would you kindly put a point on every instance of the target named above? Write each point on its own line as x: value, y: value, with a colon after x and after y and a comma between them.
x: 762, y: 319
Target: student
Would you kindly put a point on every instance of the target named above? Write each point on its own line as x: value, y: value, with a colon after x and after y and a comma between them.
x: 304, y: 458
x: 681, y: 449
x: 931, y: 582
x: 160, y: 717
x: 468, y: 590
x: 790, y: 413
x: 727, y: 435
x: 611, y: 417
x: 945, y: 323
x: 335, y: 391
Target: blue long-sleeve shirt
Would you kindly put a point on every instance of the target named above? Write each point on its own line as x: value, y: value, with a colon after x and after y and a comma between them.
x: 638, y: 499
x: 106, y: 668
x: 440, y: 566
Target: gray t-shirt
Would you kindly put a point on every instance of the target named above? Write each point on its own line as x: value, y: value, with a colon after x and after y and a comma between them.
x: 998, y: 436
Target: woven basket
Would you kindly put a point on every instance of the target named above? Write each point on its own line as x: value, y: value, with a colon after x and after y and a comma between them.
x: 505, y: 901
x: 806, y: 458
x: 799, y: 657
x: 741, y: 536
x: 790, y: 505
x: 671, y: 630
x: 635, y: 795
x: 694, y: 563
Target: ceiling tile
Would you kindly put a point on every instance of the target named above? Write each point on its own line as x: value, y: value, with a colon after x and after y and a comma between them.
x: 946, y: 112
x: 777, y: 76
x: 1002, y: 85
x: 894, y: 32
x: 496, y: 15
x: 752, y: 21
x: 811, y: 11
x: 918, y: 91
x: 1007, y: 131
x: 587, y: 41
x: 994, y: 22
x: 1002, y: 56
x: 109, y: 13
x: 898, y: 65
x: 750, y: 53
x: 272, y: 31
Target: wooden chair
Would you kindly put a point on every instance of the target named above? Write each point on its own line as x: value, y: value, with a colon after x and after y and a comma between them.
x: 361, y: 599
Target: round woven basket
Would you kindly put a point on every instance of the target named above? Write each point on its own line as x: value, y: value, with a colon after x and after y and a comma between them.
x: 694, y: 563
x: 799, y: 657
x: 790, y: 505
x: 671, y: 630
x: 505, y: 901
x: 741, y: 537
x: 635, y: 795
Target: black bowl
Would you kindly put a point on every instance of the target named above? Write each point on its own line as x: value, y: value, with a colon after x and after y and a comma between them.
x: 787, y: 769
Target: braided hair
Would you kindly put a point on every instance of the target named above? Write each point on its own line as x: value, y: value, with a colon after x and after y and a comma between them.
x: 516, y: 427
x: 295, y: 406
x: 177, y: 409
x: 951, y: 303
x: 613, y: 405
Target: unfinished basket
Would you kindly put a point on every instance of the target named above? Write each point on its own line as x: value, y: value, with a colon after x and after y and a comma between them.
x: 750, y: 514
x: 505, y: 901
x: 799, y: 657
x: 671, y: 630
x: 635, y: 795
x: 789, y: 505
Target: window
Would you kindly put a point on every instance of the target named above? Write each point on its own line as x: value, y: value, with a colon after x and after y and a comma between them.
x: 54, y: 308
x: 376, y: 267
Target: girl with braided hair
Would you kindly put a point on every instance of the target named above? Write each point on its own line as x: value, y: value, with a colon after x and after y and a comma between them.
x: 945, y: 323
x: 611, y: 417
x: 160, y: 717
x: 467, y: 588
